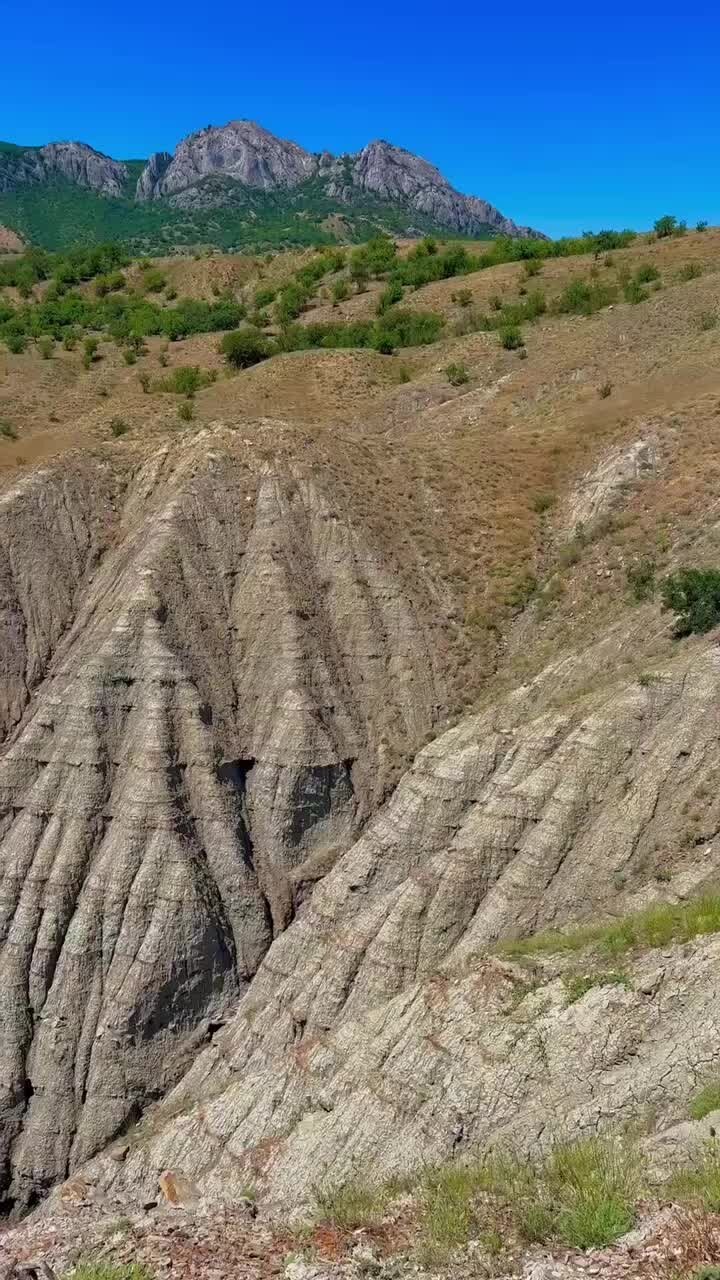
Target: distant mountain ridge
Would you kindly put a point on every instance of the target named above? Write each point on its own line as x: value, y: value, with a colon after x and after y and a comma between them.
x: 237, y: 165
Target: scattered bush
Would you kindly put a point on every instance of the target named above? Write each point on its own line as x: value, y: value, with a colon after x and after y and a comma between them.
x: 46, y: 346
x: 245, y: 347
x: 185, y: 411
x: 457, y: 374
x: 90, y: 352
x: 691, y: 271
x: 462, y: 297
x: 646, y: 273
x: 694, y: 596
x: 708, y: 320
x: 118, y: 427
x: 532, y: 267
x: 582, y: 299
x: 701, y: 226
x: 634, y: 293
x: 186, y: 379
x: 340, y: 291
x: 641, y: 580
x: 7, y: 430
x: 15, y: 343
x: 511, y: 338
x: 605, y: 390
x: 390, y: 295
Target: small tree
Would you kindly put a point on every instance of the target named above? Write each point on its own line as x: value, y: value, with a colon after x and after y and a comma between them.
x: 694, y: 596
x: 666, y: 226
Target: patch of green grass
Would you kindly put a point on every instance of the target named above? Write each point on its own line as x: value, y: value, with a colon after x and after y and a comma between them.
x: 582, y: 1194
x: 656, y: 926
x: 577, y: 985
x: 108, y: 1271
x: 705, y: 1100
x: 186, y: 379
x: 356, y: 1204
x: 457, y: 374
x: 699, y: 1181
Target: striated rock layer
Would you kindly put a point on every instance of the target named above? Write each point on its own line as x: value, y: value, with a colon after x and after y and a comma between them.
x: 202, y: 709
x: 379, y: 1033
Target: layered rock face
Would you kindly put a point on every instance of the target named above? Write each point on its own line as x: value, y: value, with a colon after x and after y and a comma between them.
x: 73, y: 161
x: 198, y: 734
x: 379, y: 1032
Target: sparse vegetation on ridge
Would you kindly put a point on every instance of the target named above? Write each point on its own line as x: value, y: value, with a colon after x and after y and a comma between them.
x: 657, y: 926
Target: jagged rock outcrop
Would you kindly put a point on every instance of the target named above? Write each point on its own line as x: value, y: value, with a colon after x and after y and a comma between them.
x: 152, y: 175
x: 241, y: 150
x: 377, y: 1034
x: 72, y: 161
x: 394, y: 174
x: 225, y: 688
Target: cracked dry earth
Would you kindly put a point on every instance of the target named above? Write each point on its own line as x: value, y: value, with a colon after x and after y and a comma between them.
x: 252, y: 882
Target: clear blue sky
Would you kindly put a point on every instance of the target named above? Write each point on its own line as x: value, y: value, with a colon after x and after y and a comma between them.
x: 565, y: 115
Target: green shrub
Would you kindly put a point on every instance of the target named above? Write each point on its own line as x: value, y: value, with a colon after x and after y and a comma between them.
x: 463, y: 297
x: 118, y: 427
x: 691, y: 271
x: 186, y: 379
x: 391, y: 294
x: 511, y: 338
x: 708, y: 320
x: 532, y: 267
x: 15, y: 343
x: 185, y: 411
x: 646, y: 273
x: 245, y: 347
x: 154, y: 281
x: 605, y: 390
x: 641, y: 580
x: 457, y: 374
x: 634, y: 293
x: 46, y: 346
x: 706, y: 1100
x: 582, y: 299
x: 264, y: 296
x: 694, y: 596
x: 7, y: 430
x: 340, y: 290
x: 701, y: 226
x: 130, y: 356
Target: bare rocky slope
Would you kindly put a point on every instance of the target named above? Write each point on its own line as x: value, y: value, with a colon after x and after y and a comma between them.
x: 223, y: 666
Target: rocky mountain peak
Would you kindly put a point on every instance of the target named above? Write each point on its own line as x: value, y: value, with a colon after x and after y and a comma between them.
x: 241, y: 150
x: 73, y: 161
